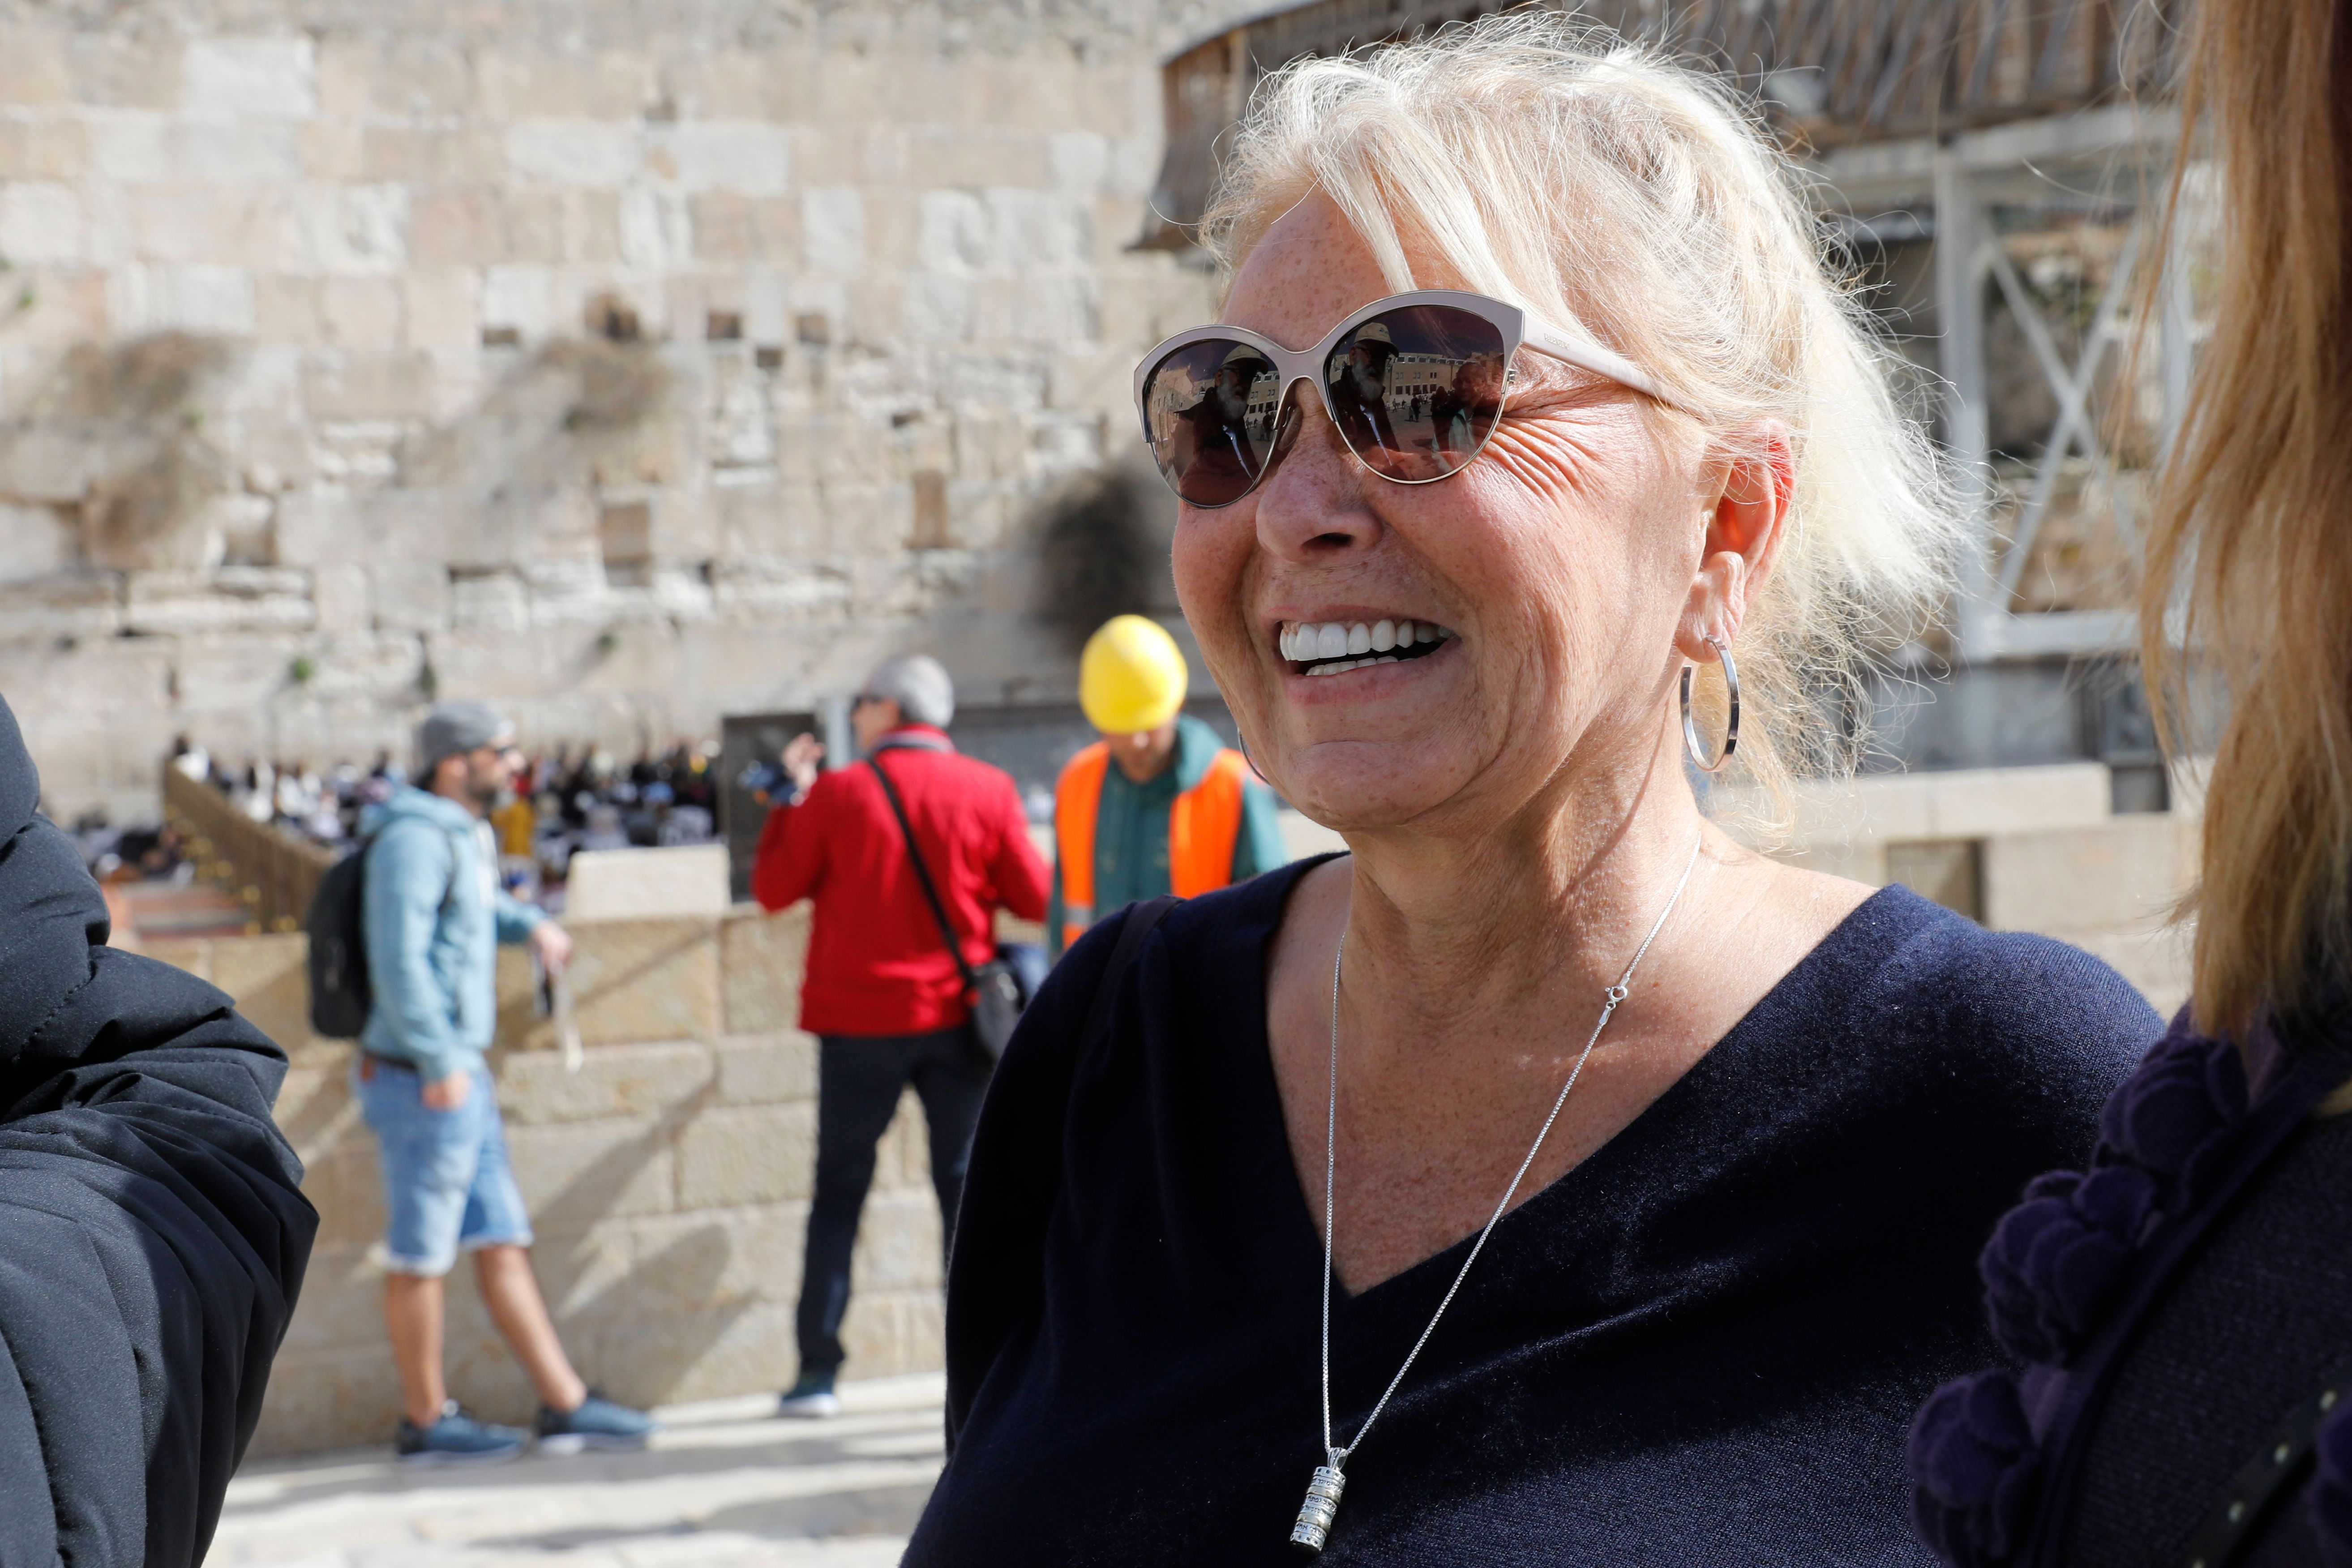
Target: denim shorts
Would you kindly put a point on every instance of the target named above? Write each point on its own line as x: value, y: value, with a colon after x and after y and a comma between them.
x: 446, y: 1185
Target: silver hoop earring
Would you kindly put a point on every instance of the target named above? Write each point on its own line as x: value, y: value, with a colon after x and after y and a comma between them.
x: 1691, y: 741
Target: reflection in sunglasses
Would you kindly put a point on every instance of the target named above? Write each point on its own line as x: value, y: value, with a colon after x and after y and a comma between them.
x: 1415, y: 393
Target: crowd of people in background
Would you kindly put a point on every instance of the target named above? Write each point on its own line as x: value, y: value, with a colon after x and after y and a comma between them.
x: 567, y: 799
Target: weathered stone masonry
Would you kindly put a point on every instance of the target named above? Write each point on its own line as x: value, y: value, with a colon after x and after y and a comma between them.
x: 627, y: 366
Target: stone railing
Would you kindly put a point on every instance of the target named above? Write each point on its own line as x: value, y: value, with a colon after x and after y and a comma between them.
x: 274, y: 872
x: 668, y: 1181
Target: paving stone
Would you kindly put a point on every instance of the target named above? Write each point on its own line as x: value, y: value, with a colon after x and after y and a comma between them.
x: 727, y: 1483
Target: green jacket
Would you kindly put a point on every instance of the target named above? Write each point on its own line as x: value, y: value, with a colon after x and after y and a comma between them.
x: 1131, y: 830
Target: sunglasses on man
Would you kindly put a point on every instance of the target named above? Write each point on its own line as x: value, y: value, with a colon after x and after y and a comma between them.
x: 1415, y: 385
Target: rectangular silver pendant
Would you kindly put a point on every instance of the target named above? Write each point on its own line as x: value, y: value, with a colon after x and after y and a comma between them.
x: 1314, y: 1515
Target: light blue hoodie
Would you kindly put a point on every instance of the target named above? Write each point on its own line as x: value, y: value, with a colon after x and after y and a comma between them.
x: 434, y: 914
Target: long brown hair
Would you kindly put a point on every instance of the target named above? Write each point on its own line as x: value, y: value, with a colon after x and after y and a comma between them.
x: 2248, y: 569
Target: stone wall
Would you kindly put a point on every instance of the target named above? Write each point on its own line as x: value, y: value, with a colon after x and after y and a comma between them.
x: 628, y: 367
x: 2032, y: 849
x: 668, y: 1181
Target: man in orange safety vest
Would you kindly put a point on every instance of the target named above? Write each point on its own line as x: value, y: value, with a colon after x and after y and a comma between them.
x: 1159, y: 805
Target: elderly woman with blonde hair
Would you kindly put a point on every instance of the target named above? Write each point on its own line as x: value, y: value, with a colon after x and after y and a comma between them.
x: 1550, y: 1178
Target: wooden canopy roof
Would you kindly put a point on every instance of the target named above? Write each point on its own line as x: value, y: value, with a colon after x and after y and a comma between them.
x: 1830, y: 74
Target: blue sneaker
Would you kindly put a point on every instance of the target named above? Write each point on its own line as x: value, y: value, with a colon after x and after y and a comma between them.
x: 456, y: 1439
x: 597, y: 1424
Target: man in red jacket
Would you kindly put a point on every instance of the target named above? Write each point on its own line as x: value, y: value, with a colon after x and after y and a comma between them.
x: 882, y: 995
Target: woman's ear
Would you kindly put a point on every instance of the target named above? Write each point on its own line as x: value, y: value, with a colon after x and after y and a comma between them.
x: 1751, y: 490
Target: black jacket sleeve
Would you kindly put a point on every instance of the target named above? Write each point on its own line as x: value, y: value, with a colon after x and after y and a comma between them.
x: 152, y: 1233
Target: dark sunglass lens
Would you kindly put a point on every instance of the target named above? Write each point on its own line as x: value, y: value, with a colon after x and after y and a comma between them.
x: 1211, y: 409
x: 1416, y: 391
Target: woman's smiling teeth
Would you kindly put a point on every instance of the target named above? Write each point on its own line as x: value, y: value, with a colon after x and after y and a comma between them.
x: 1333, y: 648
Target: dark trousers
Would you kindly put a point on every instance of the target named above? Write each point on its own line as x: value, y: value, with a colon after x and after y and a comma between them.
x: 859, y: 1077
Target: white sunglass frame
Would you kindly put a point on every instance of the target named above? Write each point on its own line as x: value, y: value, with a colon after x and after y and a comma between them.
x: 1521, y: 329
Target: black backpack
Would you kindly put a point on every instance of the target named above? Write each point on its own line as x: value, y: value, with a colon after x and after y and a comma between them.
x: 339, y: 993
x: 339, y: 996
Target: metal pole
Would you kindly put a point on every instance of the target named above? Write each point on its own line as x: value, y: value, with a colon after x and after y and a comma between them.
x: 1961, y: 235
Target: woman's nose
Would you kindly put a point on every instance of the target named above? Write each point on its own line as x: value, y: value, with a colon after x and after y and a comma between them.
x: 1312, y: 506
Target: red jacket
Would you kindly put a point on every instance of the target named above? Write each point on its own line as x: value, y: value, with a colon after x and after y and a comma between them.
x: 877, y: 964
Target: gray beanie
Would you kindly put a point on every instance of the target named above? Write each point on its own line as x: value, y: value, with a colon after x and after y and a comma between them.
x: 452, y: 730
x: 918, y: 684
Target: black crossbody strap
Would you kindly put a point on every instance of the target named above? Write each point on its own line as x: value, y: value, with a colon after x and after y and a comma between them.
x: 2274, y: 1472
x: 923, y: 875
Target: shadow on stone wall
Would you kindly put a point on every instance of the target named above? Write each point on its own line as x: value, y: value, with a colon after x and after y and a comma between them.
x: 668, y: 1183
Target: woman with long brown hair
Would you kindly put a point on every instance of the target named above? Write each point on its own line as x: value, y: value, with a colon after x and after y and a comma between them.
x: 2184, y: 1306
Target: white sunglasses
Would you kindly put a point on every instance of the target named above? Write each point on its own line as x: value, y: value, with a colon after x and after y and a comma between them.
x: 1415, y: 385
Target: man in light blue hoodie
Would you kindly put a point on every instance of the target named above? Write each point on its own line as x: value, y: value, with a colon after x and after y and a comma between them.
x: 433, y: 913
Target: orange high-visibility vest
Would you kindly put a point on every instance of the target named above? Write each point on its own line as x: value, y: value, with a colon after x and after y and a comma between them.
x: 1202, y: 826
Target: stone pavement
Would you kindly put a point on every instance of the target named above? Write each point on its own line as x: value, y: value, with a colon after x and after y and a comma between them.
x: 727, y: 1485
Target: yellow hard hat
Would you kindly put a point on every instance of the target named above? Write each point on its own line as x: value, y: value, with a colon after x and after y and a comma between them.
x: 1131, y: 677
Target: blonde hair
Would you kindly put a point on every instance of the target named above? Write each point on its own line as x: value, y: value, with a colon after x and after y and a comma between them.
x: 2247, y: 569
x: 1622, y: 195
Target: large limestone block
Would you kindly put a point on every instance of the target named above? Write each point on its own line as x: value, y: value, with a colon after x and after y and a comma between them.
x: 217, y: 300
x: 252, y: 78
x: 394, y: 383
x: 227, y: 599
x: 634, y: 1081
x: 346, y: 1185
x: 732, y: 1156
x: 323, y: 1399
x: 902, y: 1250
x: 646, y: 979
x: 573, y: 1174
x: 894, y: 1331
x: 315, y: 1108
x: 40, y: 222
x: 342, y: 1304
x: 441, y: 308
x: 2125, y: 875
x: 42, y: 463
x: 269, y: 977
x: 457, y: 225
x: 903, y: 1161
x: 408, y: 595
x: 760, y: 967
x: 33, y: 72
x: 1959, y: 804
x: 44, y: 150
x: 647, y: 884
x: 767, y: 1070
x: 125, y: 70
x: 589, y: 1272
x: 833, y: 229
x: 713, y: 155
x: 737, y: 1347
x: 33, y: 543
x: 683, y: 1263
x: 571, y: 153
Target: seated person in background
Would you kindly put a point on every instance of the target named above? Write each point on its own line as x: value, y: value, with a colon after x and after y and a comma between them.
x: 152, y: 1233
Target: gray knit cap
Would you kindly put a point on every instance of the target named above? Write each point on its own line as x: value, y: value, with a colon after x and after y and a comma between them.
x: 919, y: 685
x: 453, y: 729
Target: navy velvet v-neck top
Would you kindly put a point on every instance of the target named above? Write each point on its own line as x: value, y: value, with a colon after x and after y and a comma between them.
x: 1702, y: 1345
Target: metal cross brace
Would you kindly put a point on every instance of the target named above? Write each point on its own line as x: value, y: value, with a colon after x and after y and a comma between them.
x: 2072, y: 384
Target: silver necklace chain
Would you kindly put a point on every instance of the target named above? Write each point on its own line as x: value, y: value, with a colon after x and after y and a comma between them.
x: 1612, y: 999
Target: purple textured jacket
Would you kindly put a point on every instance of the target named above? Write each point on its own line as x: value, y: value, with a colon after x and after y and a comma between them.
x: 2182, y: 1312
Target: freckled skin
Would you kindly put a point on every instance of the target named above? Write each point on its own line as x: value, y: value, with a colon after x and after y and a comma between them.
x: 1514, y: 803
